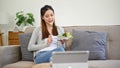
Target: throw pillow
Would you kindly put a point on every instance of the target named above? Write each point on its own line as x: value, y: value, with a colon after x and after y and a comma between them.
x: 93, y: 41
x: 24, y: 41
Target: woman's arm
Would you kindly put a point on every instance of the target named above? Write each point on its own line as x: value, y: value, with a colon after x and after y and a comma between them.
x: 36, y: 42
x: 61, y: 31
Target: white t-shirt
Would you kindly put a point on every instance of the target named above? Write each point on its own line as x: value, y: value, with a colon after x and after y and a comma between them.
x: 53, y: 45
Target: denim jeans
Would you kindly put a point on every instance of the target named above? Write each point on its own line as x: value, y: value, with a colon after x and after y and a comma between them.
x: 45, y: 56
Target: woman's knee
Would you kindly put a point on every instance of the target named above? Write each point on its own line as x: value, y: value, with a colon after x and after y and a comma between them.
x: 59, y: 49
x: 42, y: 57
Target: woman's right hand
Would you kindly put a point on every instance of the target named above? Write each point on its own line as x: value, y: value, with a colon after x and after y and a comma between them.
x: 49, y: 41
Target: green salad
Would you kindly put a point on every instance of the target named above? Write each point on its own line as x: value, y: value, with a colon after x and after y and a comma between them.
x: 66, y: 35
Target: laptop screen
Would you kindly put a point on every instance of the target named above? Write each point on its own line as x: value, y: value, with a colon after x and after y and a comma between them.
x: 70, y: 57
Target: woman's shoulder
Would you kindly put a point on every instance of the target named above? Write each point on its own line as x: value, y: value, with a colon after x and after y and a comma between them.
x: 37, y: 28
x: 60, y: 27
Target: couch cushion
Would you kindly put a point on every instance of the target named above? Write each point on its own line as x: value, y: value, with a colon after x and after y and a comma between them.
x: 24, y: 41
x: 104, y: 64
x: 93, y: 41
x: 20, y: 64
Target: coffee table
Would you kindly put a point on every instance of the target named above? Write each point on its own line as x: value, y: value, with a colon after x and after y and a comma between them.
x: 42, y: 65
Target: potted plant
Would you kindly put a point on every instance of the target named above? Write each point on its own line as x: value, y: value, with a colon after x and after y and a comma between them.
x: 23, y: 19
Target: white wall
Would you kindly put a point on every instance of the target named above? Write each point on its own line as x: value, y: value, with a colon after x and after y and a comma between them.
x: 68, y: 12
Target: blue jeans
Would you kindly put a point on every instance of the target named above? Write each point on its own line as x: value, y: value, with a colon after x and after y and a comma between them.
x: 45, y: 56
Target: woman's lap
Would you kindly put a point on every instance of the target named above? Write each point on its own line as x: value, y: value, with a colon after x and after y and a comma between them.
x: 46, y: 55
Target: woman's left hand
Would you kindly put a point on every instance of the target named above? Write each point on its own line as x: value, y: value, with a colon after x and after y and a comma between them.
x: 63, y: 41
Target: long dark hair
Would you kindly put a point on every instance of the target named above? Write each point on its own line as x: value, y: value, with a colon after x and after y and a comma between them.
x: 45, y: 32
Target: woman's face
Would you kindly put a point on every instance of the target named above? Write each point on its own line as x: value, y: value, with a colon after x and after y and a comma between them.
x: 49, y: 17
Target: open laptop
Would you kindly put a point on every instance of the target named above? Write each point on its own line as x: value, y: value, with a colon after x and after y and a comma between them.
x: 70, y: 59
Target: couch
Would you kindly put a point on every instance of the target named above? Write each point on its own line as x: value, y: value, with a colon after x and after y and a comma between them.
x: 10, y: 56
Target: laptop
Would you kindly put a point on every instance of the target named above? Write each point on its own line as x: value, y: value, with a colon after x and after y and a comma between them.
x: 70, y: 59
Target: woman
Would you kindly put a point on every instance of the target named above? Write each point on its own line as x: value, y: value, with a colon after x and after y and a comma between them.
x: 44, y: 39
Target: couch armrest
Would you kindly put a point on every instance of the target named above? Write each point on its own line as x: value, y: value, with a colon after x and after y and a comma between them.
x: 9, y: 54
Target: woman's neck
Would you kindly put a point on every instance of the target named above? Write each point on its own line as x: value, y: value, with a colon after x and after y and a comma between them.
x: 49, y: 28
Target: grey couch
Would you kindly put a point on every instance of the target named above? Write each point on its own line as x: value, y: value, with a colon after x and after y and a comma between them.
x: 10, y: 56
